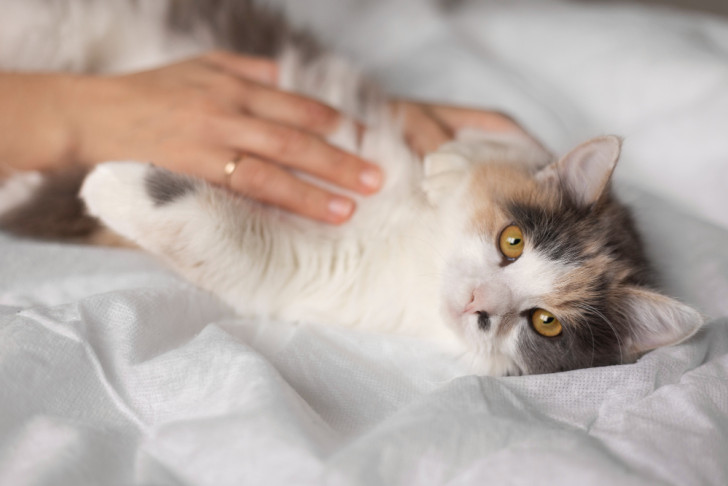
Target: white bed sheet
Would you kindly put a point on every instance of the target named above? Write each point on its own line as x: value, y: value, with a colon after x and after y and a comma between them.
x: 115, y: 371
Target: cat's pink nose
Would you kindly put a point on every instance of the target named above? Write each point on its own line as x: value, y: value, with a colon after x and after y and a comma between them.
x: 489, y: 299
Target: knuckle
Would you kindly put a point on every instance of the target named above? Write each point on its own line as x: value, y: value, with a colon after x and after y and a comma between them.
x: 335, y: 166
x: 343, y: 165
x: 258, y: 177
x: 338, y: 172
x: 309, y: 200
x: 242, y: 87
x: 317, y: 114
x: 233, y: 88
x: 288, y: 143
x: 199, y: 101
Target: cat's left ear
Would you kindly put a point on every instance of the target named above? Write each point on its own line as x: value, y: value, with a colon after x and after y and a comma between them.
x: 585, y: 171
x: 656, y: 320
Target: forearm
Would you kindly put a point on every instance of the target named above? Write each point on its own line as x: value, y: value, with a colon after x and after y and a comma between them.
x: 35, y: 128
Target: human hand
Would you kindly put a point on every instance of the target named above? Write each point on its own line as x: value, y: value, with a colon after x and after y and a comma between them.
x: 197, y: 115
x: 427, y: 126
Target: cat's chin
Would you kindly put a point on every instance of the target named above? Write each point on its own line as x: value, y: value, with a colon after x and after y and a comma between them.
x: 484, y: 354
x: 493, y: 365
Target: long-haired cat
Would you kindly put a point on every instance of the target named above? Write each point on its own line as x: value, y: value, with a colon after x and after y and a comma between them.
x: 527, y: 264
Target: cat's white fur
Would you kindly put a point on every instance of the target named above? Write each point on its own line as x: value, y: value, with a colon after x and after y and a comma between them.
x: 408, y: 262
x: 346, y: 264
x: 402, y: 264
x: 109, y: 36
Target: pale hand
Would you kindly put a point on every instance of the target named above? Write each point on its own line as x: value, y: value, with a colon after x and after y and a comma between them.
x: 197, y: 115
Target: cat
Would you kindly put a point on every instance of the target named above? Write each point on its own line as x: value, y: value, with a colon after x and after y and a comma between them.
x: 489, y: 246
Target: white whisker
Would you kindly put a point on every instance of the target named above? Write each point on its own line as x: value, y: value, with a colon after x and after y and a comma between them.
x: 593, y: 310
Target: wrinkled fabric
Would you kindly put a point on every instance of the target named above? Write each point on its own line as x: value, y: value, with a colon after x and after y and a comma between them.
x: 115, y: 371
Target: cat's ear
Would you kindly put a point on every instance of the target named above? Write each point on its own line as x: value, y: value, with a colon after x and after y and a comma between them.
x: 656, y: 320
x: 586, y: 170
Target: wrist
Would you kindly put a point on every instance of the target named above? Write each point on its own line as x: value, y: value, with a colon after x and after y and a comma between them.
x: 35, y: 131
x: 74, y: 114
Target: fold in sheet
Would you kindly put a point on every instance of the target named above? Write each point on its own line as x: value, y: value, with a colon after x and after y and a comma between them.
x: 150, y: 386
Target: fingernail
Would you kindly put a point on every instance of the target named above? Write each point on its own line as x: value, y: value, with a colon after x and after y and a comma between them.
x: 341, y: 207
x: 371, y: 178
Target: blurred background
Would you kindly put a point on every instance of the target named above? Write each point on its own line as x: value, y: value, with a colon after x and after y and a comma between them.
x: 711, y: 6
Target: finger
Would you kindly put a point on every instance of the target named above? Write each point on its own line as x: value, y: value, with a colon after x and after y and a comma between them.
x: 458, y: 117
x: 268, y: 183
x: 275, y: 105
x: 256, y: 68
x: 264, y: 181
x: 291, y: 109
x: 299, y: 150
x: 423, y: 132
x: 492, y: 121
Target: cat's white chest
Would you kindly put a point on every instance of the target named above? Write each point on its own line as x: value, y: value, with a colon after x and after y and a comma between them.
x: 391, y: 285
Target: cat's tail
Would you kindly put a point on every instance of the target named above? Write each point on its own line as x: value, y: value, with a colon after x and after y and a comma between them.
x: 46, y: 206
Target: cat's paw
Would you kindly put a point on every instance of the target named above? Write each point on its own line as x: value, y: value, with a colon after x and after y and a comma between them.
x: 127, y: 196
x: 444, y: 173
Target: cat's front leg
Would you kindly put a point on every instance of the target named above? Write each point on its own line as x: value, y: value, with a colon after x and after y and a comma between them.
x: 139, y: 201
x: 211, y: 237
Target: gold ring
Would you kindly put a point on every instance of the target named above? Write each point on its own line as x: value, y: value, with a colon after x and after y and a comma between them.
x: 230, y: 167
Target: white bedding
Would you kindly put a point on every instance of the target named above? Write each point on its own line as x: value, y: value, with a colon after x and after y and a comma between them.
x: 115, y: 371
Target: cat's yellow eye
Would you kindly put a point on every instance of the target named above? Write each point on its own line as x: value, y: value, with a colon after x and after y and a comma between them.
x: 545, y: 323
x: 511, y: 242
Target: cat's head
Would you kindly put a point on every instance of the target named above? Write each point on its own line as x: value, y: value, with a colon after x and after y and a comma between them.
x: 549, y: 273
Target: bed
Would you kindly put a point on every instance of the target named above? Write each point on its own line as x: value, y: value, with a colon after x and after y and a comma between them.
x: 115, y: 371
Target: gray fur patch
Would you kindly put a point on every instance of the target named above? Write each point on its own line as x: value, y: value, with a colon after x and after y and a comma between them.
x: 165, y: 187
x: 241, y: 25
x: 54, y: 212
x: 598, y: 322
x: 564, y: 234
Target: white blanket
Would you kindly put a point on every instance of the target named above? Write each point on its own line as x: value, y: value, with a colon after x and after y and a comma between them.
x: 115, y: 371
